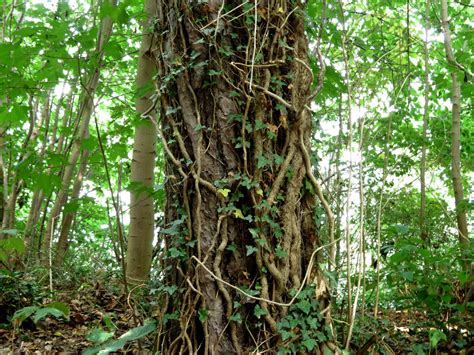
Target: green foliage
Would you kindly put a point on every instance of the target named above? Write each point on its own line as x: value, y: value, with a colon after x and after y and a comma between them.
x: 105, y: 347
x: 300, y: 329
x: 10, y: 246
x: 55, y: 309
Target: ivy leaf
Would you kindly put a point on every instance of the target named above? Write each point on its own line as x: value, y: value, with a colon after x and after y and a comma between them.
x: 250, y: 249
x: 304, y: 305
x: 280, y: 252
x: 260, y: 125
x: 238, y: 213
x: 262, y: 161
x: 224, y: 192
x: 232, y: 247
x: 203, y: 314
x: 309, y: 344
x: 259, y: 311
x: 236, y: 318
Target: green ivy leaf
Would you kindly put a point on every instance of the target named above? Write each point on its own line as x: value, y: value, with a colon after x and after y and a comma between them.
x: 260, y: 125
x: 236, y: 318
x: 259, y: 311
x: 203, y: 314
x: 304, y: 305
x: 224, y: 192
x: 280, y: 252
x: 250, y: 249
x: 309, y: 344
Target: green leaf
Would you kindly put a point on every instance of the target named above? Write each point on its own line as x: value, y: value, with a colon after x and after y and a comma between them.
x: 250, y: 249
x: 132, y: 334
x: 224, y: 192
x: 61, y: 306
x: 232, y: 247
x: 236, y: 318
x: 407, y: 275
x: 262, y: 161
x: 98, y: 335
x: 214, y: 72
x: 199, y: 127
x: 10, y: 245
x: 304, y: 305
x: 260, y: 125
x: 435, y: 336
x: 203, y: 314
x: 309, y: 344
x: 280, y: 252
x: 47, y: 311
x: 259, y: 311
x: 238, y: 213
x: 24, y: 313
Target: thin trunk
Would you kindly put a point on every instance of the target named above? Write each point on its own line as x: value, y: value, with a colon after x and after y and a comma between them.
x: 361, y: 256
x: 423, y: 229
x: 456, y: 134
x: 85, y: 111
x: 463, y: 232
x: 36, y: 123
x: 142, y: 212
x: 55, y: 144
x: 63, y: 241
x: 347, y: 232
x: 378, y: 232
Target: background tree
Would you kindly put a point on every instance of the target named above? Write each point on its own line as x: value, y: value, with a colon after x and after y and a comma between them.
x: 142, y: 211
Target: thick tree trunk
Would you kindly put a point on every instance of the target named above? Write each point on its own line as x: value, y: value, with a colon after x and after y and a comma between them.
x: 142, y: 212
x: 234, y: 85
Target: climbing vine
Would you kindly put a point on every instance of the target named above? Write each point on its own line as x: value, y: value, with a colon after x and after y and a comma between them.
x: 240, y: 238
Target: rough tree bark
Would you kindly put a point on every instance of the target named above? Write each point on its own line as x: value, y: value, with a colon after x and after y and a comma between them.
x: 234, y: 86
x: 142, y: 212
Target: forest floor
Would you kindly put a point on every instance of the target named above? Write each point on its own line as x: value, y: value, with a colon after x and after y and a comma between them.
x: 95, y: 306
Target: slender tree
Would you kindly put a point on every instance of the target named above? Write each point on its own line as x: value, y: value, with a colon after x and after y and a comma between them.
x: 463, y: 232
x: 423, y: 229
x: 84, y: 115
x: 142, y: 212
x: 455, y: 130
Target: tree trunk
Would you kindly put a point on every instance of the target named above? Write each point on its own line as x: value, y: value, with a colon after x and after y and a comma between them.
x: 85, y: 111
x: 463, y: 232
x: 456, y: 132
x: 423, y: 229
x: 68, y: 217
x: 234, y: 84
x: 142, y: 212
